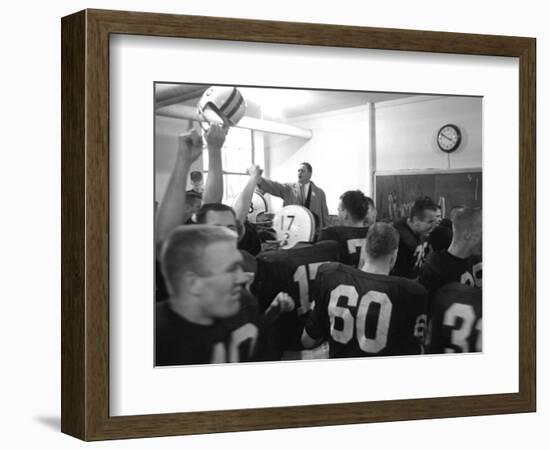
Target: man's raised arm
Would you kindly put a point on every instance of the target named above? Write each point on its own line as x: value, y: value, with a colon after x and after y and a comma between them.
x: 242, y: 204
x: 213, y: 190
x: 172, y: 211
x: 274, y: 188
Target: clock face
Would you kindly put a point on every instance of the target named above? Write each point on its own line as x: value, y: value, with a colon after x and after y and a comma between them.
x: 448, y: 138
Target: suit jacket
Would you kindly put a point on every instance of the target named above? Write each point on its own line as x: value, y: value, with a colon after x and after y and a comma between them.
x: 291, y: 195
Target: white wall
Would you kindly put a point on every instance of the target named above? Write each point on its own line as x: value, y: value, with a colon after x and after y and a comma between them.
x: 30, y: 332
x: 405, y: 138
x: 406, y: 132
x: 338, y: 152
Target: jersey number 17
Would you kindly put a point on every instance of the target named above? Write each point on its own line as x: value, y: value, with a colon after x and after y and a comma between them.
x: 304, y: 275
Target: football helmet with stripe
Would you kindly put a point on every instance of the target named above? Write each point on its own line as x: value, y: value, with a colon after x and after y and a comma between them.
x: 222, y: 105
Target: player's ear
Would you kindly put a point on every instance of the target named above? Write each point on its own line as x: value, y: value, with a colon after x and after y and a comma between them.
x: 192, y: 282
x: 393, y: 258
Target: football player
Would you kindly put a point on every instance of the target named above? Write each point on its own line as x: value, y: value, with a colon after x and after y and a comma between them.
x: 413, y: 231
x: 209, y: 316
x: 222, y: 215
x: 178, y: 205
x: 353, y: 208
x: 293, y: 272
x: 366, y: 312
x: 461, y: 262
x: 456, y: 321
x: 440, y: 238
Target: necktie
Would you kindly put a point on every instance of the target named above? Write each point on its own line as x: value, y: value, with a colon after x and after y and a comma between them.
x: 302, y: 192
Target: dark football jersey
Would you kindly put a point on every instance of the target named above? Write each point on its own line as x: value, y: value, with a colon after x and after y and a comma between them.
x: 351, y: 241
x: 456, y: 322
x: 441, y: 268
x: 411, y: 252
x: 250, y: 241
x: 179, y: 341
x: 292, y: 271
x: 364, y: 314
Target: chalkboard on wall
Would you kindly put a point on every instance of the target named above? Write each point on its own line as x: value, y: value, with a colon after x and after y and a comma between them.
x: 395, y: 192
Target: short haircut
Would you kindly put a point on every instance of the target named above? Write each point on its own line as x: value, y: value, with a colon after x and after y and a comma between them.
x: 440, y: 238
x: 382, y: 240
x: 184, y: 249
x: 356, y: 204
x: 217, y: 207
x: 196, y: 176
x: 421, y: 205
x: 308, y: 165
x: 466, y: 219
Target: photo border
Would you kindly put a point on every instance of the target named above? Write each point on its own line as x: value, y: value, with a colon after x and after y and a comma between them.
x: 85, y: 223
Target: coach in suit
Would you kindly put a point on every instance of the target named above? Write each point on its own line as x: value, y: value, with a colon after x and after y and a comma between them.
x: 304, y: 193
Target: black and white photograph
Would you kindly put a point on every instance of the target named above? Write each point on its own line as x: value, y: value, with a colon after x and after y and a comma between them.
x: 261, y: 225
x: 296, y: 224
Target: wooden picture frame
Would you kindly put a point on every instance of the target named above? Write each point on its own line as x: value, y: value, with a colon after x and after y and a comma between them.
x: 85, y: 224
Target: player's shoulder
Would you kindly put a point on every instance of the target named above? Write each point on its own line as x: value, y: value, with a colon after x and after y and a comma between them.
x: 338, y: 232
x: 458, y: 293
x: 406, y: 235
x: 332, y: 230
x: 401, y: 224
x: 318, y: 249
x: 435, y: 260
x: 324, y: 245
x: 455, y: 287
x: 413, y: 287
x: 336, y: 272
x: 332, y: 267
x: 438, y: 255
x: 330, y: 233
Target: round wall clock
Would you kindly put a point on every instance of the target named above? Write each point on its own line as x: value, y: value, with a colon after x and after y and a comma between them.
x: 448, y: 138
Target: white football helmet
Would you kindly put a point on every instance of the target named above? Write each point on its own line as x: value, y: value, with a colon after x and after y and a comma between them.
x: 294, y: 224
x: 223, y: 105
x: 258, y: 206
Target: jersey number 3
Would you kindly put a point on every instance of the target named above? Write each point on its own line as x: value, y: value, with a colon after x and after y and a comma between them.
x: 461, y: 319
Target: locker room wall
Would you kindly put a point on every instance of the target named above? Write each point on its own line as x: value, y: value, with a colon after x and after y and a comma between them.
x: 406, y: 133
x: 338, y: 152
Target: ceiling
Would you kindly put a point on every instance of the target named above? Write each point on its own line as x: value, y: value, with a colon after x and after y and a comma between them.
x: 276, y: 103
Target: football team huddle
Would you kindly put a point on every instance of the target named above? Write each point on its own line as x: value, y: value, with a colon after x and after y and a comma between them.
x: 237, y: 285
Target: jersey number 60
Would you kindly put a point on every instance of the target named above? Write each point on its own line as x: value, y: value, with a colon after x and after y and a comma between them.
x: 364, y: 308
